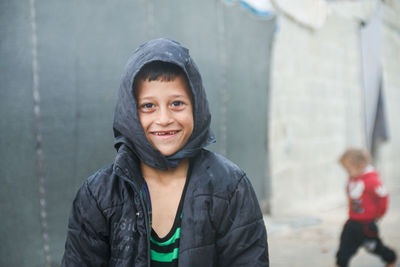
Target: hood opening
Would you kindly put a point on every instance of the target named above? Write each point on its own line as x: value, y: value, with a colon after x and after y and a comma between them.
x: 127, y: 127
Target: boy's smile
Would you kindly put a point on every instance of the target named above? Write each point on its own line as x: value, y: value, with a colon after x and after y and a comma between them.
x: 166, y: 114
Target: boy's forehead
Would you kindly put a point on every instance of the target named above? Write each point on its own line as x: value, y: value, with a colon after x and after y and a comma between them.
x: 140, y: 84
x: 351, y: 163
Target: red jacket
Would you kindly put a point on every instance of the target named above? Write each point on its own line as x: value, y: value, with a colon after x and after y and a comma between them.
x: 368, y: 199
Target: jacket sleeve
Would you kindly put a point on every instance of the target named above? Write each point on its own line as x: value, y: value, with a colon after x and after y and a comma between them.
x: 242, y: 236
x: 380, y: 195
x: 87, y: 239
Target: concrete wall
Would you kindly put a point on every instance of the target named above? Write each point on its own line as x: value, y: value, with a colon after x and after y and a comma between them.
x: 317, y: 106
x: 389, y: 154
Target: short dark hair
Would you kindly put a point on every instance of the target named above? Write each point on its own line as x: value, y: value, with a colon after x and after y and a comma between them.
x: 159, y: 71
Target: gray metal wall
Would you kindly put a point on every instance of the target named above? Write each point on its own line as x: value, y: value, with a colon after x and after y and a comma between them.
x: 82, y: 47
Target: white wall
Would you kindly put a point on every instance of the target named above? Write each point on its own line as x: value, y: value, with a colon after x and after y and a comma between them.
x: 317, y: 107
x: 388, y: 160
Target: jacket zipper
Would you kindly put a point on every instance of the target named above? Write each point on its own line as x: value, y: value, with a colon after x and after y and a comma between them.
x: 144, y: 211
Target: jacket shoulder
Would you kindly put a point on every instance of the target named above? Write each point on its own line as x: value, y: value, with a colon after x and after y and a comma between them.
x: 220, y: 165
x: 371, y: 179
x: 216, y: 174
x: 102, y: 187
x: 100, y: 175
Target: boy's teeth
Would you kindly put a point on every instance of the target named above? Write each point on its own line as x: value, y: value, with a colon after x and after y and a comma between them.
x: 165, y: 133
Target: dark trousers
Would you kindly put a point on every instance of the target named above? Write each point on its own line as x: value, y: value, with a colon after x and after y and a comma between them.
x: 357, y: 234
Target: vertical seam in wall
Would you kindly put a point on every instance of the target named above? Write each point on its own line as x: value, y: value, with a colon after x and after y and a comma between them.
x: 223, y: 80
x: 77, y: 116
x: 38, y: 136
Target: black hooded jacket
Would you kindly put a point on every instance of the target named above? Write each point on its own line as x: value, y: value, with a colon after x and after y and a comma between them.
x: 222, y: 224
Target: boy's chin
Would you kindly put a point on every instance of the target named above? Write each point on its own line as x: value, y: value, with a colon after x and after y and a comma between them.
x: 167, y: 152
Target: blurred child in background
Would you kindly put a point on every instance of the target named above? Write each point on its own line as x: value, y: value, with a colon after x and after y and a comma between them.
x: 368, y: 202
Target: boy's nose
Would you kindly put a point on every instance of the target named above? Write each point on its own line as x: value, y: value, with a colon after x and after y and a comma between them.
x: 165, y: 116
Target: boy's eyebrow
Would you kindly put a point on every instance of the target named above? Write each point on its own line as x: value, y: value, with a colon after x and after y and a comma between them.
x: 178, y: 95
x: 145, y: 98
x: 150, y: 97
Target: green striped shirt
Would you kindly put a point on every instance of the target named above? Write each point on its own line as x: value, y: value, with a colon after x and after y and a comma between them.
x: 165, y: 251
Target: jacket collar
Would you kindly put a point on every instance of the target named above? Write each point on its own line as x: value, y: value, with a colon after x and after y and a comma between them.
x: 126, y: 165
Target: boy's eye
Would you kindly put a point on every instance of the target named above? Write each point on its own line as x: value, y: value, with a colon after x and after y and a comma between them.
x: 177, y: 103
x: 147, y: 107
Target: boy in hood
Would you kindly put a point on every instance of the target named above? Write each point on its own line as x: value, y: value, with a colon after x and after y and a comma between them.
x: 166, y: 200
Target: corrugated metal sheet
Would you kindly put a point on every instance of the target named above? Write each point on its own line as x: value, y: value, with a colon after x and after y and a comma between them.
x: 81, y: 49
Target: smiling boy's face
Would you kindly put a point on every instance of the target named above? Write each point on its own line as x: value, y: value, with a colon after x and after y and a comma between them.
x: 166, y: 113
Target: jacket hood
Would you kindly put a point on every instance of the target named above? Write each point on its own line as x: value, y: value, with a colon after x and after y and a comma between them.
x: 127, y: 127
